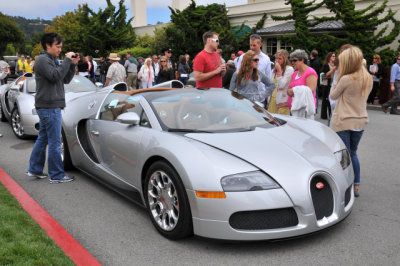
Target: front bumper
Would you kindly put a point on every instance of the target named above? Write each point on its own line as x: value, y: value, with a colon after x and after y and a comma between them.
x: 211, y: 216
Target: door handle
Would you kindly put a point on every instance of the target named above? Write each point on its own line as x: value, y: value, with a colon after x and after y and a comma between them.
x: 96, y: 133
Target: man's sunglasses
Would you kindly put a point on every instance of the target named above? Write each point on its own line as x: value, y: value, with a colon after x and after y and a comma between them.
x: 215, y: 40
x: 256, y: 60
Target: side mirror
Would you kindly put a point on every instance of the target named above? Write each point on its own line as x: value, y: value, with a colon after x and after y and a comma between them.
x: 129, y: 118
x: 15, y: 88
x: 99, y: 84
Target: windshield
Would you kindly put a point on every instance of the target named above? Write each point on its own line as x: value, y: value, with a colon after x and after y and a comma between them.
x: 211, y: 110
x: 77, y: 84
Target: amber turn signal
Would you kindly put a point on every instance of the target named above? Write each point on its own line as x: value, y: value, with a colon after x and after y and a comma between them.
x: 211, y: 194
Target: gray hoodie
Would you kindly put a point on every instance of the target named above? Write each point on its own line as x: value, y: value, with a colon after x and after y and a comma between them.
x: 50, y: 79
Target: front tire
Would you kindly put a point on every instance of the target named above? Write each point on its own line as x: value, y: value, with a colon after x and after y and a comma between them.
x: 167, y: 202
x: 16, y: 124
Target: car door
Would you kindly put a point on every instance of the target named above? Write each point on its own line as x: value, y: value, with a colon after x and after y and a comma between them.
x: 117, y: 145
x: 14, y: 93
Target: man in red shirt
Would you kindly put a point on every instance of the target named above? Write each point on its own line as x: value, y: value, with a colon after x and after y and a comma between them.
x: 207, y: 66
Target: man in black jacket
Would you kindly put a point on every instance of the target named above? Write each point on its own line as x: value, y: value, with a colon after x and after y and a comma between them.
x: 49, y: 101
x: 104, y: 65
x: 315, y: 64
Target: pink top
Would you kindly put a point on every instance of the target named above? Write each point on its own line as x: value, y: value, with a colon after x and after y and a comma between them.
x: 302, y: 81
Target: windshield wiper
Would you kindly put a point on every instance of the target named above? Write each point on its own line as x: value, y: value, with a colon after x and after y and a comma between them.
x: 188, y: 130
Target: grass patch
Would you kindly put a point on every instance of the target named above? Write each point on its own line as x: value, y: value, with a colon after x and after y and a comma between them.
x: 22, y: 240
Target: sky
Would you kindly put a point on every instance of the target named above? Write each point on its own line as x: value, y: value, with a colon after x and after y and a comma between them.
x: 157, y: 10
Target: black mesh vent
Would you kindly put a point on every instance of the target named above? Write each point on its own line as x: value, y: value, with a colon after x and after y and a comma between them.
x: 264, y: 219
x: 322, y: 197
x: 347, y: 196
x: 83, y: 136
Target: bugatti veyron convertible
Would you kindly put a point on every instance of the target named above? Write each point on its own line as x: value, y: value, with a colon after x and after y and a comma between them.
x: 210, y: 162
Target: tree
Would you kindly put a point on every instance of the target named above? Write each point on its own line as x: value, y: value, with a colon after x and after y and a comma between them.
x: 160, y: 37
x: 145, y: 41
x: 87, y: 31
x: 108, y: 29
x: 360, y: 25
x: 9, y: 32
x: 242, y: 42
x: 36, y: 50
x: 300, y: 14
x: 71, y: 27
x: 10, y: 49
x: 185, y: 33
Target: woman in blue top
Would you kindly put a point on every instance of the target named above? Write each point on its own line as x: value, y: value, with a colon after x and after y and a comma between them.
x: 248, y: 78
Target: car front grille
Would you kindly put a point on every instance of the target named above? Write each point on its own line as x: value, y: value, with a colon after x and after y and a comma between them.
x: 347, y: 196
x: 264, y: 219
x: 322, y: 197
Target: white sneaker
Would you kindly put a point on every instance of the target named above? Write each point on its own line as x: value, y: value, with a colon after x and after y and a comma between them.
x: 40, y: 176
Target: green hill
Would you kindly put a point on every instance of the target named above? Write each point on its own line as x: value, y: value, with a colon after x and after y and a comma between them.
x: 31, y: 26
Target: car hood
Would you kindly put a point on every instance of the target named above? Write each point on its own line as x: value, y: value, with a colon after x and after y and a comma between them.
x: 287, y: 153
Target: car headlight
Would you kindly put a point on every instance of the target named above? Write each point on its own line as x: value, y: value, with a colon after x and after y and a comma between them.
x: 343, y: 157
x: 34, y: 111
x: 249, y: 181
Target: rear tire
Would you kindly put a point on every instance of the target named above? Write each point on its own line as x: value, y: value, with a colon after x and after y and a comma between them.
x: 2, y: 115
x: 66, y: 156
x: 167, y: 202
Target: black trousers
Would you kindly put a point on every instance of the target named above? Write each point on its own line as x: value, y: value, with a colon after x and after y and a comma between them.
x: 395, y: 99
x: 371, y: 97
x: 325, y: 106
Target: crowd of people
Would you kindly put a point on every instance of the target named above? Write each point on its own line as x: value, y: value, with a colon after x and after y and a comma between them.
x: 143, y: 72
x: 290, y: 85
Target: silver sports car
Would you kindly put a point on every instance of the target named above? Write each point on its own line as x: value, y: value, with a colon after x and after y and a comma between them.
x: 210, y: 162
x: 17, y: 101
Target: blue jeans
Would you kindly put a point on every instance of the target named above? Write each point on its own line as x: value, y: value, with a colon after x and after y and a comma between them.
x: 102, y: 79
x: 351, y: 140
x: 49, y: 134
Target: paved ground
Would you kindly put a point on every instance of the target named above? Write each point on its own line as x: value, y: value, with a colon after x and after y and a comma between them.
x: 117, y: 232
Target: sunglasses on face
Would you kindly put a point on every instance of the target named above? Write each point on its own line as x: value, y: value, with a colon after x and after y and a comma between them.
x: 215, y: 40
x: 163, y: 61
x: 256, y: 60
x: 398, y: 58
x: 294, y: 60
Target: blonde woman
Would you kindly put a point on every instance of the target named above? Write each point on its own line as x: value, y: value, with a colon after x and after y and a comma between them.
x: 282, y: 75
x: 248, y: 79
x: 166, y: 72
x: 350, y: 116
x: 146, y: 74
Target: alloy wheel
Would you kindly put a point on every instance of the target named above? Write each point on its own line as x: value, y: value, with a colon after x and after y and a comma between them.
x: 16, y: 123
x: 163, y: 200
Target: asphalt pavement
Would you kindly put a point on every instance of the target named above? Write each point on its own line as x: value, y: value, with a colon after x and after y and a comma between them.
x: 118, y: 232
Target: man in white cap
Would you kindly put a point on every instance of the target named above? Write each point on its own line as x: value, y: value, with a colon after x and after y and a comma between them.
x: 116, y: 72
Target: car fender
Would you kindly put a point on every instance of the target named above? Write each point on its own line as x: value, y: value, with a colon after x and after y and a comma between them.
x: 194, y: 161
